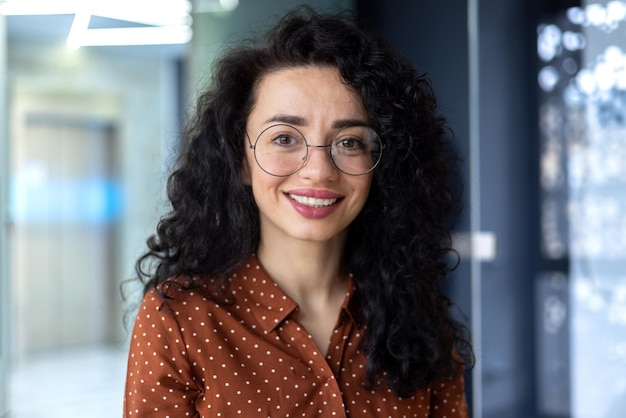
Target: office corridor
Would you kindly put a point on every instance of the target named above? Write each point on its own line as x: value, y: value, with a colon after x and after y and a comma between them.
x: 81, y: 382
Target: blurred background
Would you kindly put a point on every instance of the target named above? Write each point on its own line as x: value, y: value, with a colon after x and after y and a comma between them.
x: 92, y: 98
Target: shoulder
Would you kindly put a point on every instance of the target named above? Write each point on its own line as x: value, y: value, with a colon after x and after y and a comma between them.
x: 175, y: 297
x: 185, y: 298
x: 449, y: 398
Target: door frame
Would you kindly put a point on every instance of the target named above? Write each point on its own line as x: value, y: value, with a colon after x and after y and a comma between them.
x: 5, y: 301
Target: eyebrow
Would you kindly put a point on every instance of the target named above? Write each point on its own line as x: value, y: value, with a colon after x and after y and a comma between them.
x: 300, y: 121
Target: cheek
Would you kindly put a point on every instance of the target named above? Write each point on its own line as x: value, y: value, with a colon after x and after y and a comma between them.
x: 360, y: 192
x: 263, y: 185
x: 364, y: 193
x: 364, y: 186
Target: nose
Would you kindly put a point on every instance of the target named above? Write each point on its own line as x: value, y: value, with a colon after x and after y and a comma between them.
x: 319, y: 165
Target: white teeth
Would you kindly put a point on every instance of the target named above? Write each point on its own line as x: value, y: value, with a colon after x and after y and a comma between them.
x: 311, y: 201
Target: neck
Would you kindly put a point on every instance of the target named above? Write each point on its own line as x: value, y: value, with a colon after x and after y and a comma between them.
x: 304, y: 269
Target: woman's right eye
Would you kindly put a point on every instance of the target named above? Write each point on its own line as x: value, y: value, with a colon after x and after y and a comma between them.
x: 285, y: 140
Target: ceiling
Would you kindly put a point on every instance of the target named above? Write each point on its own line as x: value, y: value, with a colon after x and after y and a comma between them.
x: 53, y: 29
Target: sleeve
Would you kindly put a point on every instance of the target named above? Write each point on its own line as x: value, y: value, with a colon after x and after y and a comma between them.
x: 159, y: 378
x: 448, y: 399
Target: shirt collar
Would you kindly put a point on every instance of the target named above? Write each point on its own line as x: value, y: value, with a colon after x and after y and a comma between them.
x: 350, y: 304
x: 254, y: 288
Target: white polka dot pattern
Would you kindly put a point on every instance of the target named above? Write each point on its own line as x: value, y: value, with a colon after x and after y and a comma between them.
x: 191, y: 357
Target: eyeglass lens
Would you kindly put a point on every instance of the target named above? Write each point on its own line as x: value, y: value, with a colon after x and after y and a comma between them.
x: 282, y: 150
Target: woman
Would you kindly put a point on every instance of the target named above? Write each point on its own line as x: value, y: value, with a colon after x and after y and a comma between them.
x: 297, y: 273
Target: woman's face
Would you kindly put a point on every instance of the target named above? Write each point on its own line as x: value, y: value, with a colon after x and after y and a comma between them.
x: 318, y: 202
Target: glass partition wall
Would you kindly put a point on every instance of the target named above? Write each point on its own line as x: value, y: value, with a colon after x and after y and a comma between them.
x: 582, y: 113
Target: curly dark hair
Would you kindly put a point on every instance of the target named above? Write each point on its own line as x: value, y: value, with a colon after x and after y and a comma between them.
x: 397, y: 246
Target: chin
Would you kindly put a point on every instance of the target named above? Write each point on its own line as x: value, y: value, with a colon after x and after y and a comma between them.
x: 319, y: 236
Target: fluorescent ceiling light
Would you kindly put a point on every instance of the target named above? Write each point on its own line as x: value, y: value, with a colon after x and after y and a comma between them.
x: 79, y: 26
x: 149, y: 12
x: 158, y: 35
x: 168, y: 21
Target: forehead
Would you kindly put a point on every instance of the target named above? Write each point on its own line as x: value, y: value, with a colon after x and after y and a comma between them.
x: 310, y: 92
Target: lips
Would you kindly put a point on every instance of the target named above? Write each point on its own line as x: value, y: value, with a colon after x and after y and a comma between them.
x: 313, y: 202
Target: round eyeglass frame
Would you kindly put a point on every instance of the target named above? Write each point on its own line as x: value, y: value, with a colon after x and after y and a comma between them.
x: 306, y: 156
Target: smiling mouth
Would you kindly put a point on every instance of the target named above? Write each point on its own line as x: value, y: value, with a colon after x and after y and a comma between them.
x: 312, y: 201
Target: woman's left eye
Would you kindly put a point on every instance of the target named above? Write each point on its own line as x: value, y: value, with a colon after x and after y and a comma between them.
x: 350, y: 143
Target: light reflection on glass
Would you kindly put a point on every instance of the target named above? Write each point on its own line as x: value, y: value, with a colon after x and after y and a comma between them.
x: 573, y: 40
x: 548, y: 42
x: 548, y: 78
x: 583, y: 218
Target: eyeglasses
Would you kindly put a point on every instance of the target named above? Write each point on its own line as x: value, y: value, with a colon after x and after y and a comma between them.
x: 281, y: 150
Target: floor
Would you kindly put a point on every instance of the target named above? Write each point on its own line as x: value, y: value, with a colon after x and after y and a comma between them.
x: 85, y: 383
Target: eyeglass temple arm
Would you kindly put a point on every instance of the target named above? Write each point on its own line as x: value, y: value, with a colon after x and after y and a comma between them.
x: 249, y: 141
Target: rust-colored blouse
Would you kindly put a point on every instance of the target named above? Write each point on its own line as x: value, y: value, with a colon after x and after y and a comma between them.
x: 191, y: 357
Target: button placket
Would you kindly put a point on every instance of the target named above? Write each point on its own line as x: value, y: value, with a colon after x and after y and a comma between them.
x: 327, y: 387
